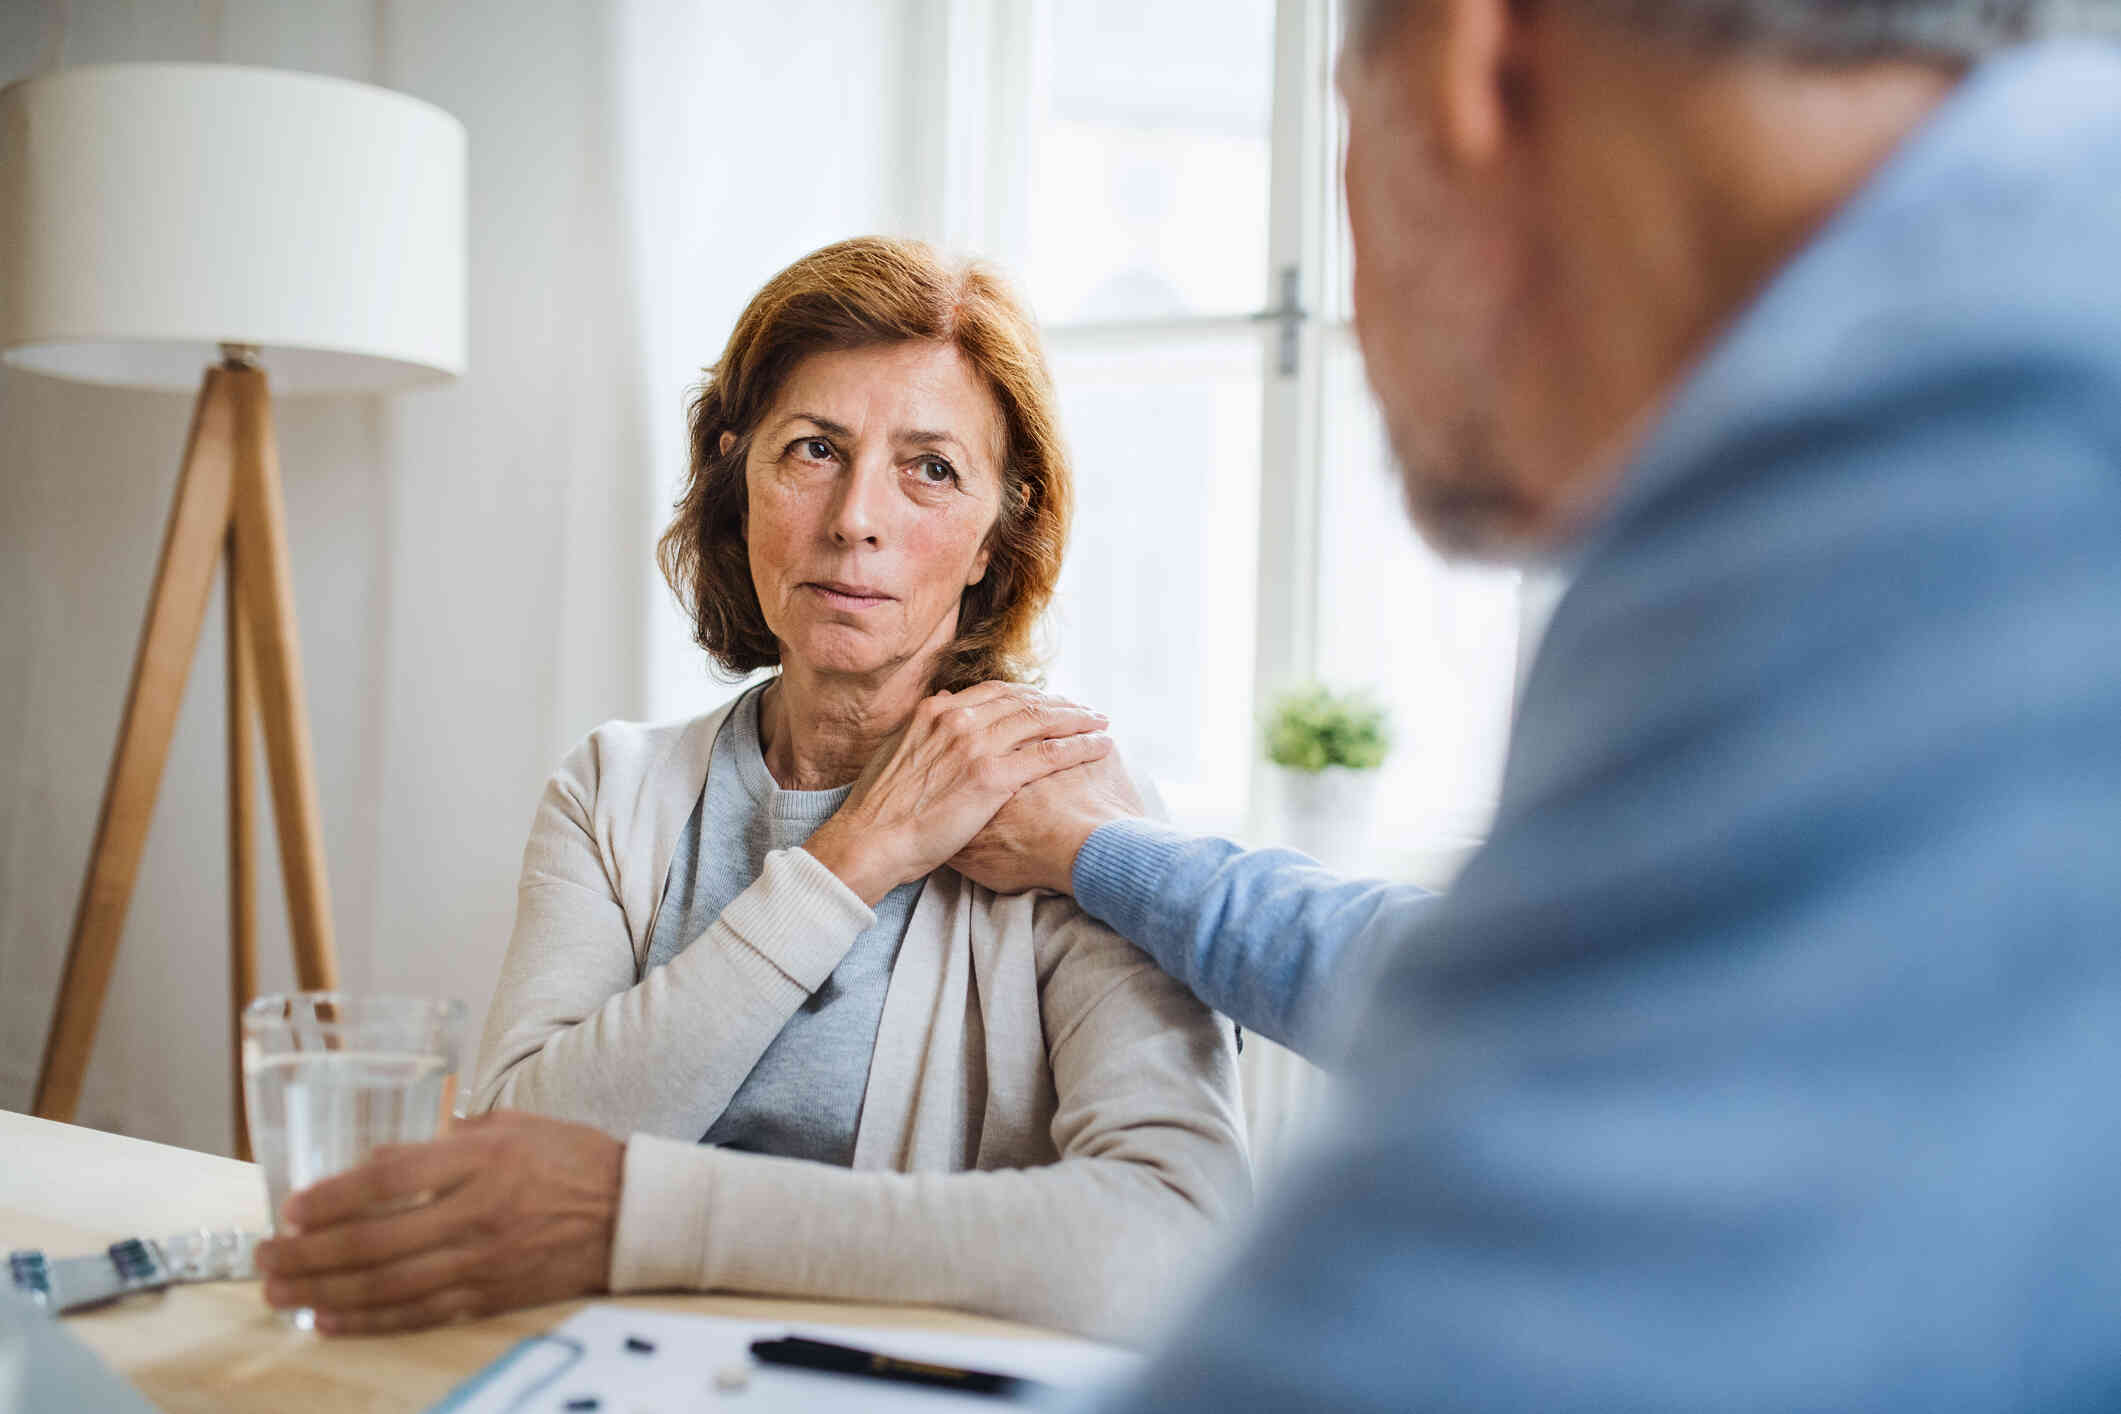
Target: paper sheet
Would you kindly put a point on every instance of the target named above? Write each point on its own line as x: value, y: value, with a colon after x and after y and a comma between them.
x: 587, y: 1357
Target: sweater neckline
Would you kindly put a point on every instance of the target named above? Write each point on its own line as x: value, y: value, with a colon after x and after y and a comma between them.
x: 747, y: 750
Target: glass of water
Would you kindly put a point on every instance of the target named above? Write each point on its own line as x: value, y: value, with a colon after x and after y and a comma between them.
x: 328, y: 1077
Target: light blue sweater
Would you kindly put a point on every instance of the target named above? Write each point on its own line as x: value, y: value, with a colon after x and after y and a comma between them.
x: 1769, y: 1055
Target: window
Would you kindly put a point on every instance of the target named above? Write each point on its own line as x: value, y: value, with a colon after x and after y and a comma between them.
x: 1165, y: 180
x: 1149, y: 155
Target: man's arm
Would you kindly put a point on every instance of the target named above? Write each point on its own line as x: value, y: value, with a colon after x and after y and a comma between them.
x: 1267, y: 937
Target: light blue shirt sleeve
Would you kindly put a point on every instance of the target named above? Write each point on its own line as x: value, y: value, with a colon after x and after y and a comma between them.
x: 1267, y: 937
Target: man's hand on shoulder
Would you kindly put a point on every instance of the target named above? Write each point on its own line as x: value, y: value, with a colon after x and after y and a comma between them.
x: 506, y: 1210
x: 1032, y: 841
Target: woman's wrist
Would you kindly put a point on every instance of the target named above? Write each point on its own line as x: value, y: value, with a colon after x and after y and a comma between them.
x: 853, y: 859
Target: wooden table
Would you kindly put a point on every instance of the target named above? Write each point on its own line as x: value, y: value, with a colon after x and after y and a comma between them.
x: 217, y: 1346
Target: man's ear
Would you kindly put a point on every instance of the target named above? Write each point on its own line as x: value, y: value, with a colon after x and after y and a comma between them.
x: 1471, y: 73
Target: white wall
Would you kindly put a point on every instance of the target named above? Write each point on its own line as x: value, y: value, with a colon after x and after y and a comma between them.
x: 470, y: 562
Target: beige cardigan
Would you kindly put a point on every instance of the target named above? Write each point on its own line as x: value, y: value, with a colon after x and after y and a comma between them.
x: 1093, y: 1099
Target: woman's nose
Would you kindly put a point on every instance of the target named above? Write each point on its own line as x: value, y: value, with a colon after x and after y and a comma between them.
x: 859, y: 513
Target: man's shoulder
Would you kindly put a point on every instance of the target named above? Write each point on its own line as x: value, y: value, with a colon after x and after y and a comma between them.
x: 1917, y: 536
x: 1995, y: 222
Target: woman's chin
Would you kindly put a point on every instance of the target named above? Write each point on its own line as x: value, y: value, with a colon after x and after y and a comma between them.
x: 839, y: 651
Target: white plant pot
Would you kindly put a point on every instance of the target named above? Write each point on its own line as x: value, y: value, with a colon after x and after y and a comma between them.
x: 1330, y: 815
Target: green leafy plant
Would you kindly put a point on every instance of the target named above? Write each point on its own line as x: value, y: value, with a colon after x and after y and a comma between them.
x: 1315, y: 727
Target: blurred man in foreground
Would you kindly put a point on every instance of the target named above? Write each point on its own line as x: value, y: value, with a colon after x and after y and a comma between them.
x: 1766, y: 1056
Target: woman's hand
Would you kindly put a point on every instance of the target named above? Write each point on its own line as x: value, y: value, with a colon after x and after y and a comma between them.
x: 931, y: 789
x: 508, y: 1210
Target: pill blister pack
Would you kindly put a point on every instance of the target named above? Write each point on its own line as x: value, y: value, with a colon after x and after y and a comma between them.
x: 135, y: 1264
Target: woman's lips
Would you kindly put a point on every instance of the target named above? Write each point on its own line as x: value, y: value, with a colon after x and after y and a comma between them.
x: 847, y: 596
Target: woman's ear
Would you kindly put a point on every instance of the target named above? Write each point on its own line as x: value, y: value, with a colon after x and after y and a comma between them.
x: 979, y: 565
x: 728, y: 441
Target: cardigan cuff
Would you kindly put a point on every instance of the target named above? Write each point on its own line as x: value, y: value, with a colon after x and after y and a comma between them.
x: 660, y: 1241
x: 799, y: 916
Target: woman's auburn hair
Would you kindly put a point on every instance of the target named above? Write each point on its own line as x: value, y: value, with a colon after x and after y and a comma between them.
x: 855, y: 294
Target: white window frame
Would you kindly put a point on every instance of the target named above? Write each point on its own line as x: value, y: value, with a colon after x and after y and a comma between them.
x: 1301, y: 250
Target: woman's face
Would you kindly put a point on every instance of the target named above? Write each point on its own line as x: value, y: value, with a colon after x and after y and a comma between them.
x: 873, y: 481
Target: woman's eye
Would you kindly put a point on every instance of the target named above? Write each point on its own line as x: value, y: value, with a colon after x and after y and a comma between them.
x: 815, y: 448
x: 937, y: 472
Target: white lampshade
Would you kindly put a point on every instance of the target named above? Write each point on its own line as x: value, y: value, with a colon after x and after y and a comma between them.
x: 152, y: 212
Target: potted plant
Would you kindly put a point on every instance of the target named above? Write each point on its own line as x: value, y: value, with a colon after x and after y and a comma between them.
x: 1326, y: 748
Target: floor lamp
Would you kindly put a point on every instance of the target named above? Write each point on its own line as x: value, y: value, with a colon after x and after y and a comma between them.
x: 277, y: 231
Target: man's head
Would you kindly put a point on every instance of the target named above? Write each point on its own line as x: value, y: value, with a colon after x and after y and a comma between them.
x: 1556, y: 203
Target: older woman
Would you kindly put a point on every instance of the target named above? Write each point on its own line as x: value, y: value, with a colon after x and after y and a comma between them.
x: 845, y: 1070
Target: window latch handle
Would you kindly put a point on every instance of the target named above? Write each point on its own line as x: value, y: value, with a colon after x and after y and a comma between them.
x: 1288, y: 314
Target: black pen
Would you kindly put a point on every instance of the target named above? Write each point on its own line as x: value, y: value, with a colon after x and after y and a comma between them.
x: 804, y: 1354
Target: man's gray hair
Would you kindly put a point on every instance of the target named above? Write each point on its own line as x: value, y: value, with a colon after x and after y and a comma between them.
x: 1825, y: 31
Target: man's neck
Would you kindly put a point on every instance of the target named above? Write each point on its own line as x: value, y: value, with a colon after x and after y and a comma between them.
x: 1676, y: 190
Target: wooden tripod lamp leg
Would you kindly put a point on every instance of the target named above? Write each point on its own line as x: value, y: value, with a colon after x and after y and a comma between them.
x: 242, y: 887
x: 268, y: 597
x: 228, y: 499
x: 176, y: 608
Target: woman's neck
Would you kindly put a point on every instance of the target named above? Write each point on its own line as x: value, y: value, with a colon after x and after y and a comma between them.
x: 818, y: 730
